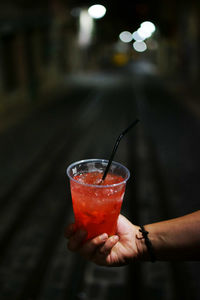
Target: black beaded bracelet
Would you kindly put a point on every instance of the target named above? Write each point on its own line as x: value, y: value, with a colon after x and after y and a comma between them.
x: 148, y: 243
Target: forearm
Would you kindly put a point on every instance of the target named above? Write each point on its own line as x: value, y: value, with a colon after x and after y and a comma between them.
x: 175, y: 239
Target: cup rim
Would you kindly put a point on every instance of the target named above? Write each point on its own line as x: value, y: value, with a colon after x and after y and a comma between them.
x: 95, y: 185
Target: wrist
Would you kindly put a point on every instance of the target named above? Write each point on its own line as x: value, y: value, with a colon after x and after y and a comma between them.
x: 144, y: 245
x: 141, y: 247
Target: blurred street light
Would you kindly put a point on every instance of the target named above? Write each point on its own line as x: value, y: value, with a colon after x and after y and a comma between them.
x: 85, y: 28
x: 137, y: 36
x: 145, y: 31
x: 126, y: 36
x: 148, y: 27
x: 140, y: 46
x: 97, y: 11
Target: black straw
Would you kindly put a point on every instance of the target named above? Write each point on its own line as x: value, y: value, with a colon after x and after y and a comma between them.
x: 116, y: 146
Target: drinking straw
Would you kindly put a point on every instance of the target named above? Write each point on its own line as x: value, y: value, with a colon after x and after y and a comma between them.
x: 116, y: 146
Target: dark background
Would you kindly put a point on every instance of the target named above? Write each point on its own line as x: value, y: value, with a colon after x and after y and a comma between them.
x: 60, y: 102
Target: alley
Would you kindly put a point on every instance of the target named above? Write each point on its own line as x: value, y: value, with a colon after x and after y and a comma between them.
x: 162, y: 154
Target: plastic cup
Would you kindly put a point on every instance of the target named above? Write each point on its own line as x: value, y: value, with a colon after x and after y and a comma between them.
x: 96, y: 206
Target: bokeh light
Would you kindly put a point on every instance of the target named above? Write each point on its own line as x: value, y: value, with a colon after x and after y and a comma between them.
x: 85, y: 28
x: 148, y: 26
x: 140, y: 46
x: 126, y: 36
x: 97, y: 11
x: 137, y: 36
x: 143, y: 33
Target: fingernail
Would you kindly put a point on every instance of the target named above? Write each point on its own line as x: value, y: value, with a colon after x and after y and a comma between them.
x: 103, y: 237
x: 115, y: 238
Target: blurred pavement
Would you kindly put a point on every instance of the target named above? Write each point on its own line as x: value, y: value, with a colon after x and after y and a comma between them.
x: 162, y: 153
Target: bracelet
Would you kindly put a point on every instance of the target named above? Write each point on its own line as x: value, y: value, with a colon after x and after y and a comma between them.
x: 148, y: 243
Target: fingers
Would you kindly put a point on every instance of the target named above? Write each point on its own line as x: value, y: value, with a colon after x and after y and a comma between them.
x: 103, y: 255
x: 89, y: 248
x: 96, y: 249
x: 99, y: 249
x: 108, y: 245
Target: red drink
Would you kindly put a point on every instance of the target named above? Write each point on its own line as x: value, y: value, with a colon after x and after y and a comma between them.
x: 96, y: 209
x: 97, y: 205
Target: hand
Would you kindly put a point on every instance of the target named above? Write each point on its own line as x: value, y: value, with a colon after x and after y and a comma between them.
x: 117, y: 250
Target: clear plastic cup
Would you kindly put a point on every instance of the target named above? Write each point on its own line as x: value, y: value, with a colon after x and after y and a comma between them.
x: 97, y: 205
